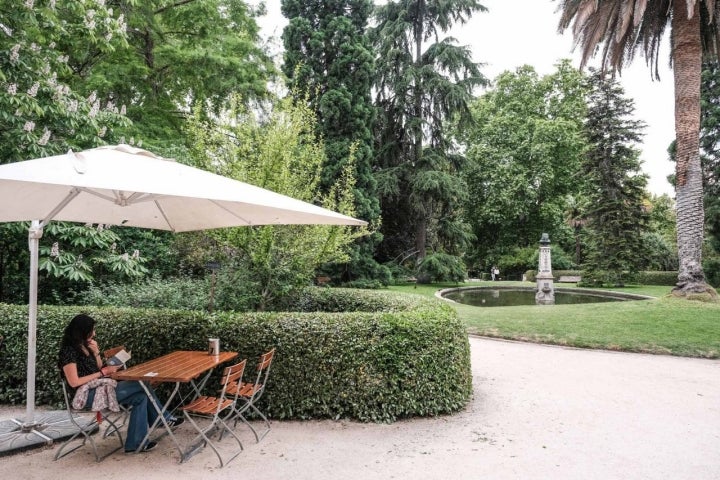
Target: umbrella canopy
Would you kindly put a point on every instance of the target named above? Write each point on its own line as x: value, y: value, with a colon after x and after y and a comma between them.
x: 123, y: 185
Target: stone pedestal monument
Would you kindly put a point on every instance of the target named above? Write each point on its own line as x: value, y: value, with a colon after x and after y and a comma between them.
x: 545, y: 293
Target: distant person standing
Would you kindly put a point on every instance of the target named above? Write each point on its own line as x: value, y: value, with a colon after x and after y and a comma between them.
x: 492, y: 272
x: 496, y: 273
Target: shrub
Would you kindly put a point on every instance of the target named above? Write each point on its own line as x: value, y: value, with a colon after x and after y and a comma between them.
x: 520, y: 259
x: 386, y: 356
x: 442, y: 267
x: 185, y: 293
x: 657, y: 278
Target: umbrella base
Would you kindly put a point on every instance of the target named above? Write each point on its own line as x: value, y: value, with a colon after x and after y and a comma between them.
x: 47, y: 427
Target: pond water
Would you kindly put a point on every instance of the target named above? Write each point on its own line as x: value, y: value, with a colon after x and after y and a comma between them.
x: 494, y: 297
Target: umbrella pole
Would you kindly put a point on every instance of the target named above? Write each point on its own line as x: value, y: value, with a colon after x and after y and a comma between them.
x: 34, y: 234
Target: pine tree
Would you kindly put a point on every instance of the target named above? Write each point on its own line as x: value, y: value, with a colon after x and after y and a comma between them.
x: 329, y: 59
x: 614, y: 185
x: 423, y: 81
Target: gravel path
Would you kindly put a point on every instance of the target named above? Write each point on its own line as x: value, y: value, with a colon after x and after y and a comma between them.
x: 538, y: 412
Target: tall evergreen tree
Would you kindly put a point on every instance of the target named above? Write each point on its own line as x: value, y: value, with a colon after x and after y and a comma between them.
x: 329, y: 59
x: 423, y: 80
x: 710, y: 160
x: 615, y: 188
x: 710, y: 148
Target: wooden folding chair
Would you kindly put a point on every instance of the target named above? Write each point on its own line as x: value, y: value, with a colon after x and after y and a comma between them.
x: 248, y: 393
x: 213, y: 409
x: 86, y: 428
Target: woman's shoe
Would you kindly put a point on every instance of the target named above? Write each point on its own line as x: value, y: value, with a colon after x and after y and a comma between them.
x: 148, y: 446
x: 175, y: 422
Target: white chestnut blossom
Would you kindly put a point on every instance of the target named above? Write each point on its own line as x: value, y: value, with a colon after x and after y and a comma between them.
x: 29, y: 126
x: 15, y: 53
x: 34, y: 89
x: 55, y: 250
x: 45, y: 137
x: 12, y: 89
x: 95, y: 109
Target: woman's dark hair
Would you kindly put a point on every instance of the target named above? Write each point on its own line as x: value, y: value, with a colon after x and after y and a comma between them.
x: 78, y: 331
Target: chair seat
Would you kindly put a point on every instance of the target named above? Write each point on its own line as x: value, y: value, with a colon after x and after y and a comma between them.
x: 245, y: 389
x: 207, y: 405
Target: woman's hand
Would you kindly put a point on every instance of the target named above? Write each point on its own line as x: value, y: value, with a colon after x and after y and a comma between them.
x: 93, y: 347
x: 109, y: 369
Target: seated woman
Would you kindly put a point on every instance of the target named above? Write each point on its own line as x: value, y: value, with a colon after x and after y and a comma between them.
x: 80, y: 362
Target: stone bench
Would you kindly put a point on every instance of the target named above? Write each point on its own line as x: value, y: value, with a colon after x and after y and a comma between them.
x: 569, y: 279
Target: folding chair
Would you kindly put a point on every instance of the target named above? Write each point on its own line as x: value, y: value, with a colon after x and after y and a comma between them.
x: 212, y: 408
x: 248, y: 393
x: 122, y: 417
x: 87, y: 428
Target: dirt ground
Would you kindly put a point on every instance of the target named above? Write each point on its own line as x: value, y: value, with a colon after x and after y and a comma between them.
x: 538, y: 412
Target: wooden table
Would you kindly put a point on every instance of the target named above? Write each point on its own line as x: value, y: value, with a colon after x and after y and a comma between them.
x: 179, y: 367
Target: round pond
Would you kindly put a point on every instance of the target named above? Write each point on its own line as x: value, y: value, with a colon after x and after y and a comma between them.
x: 514, y: 296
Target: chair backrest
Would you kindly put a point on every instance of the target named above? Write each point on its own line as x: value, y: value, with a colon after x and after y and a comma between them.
x: 231, y: 376
x: 112, y: 351
x: 263, y: 371
x: 66, y: 392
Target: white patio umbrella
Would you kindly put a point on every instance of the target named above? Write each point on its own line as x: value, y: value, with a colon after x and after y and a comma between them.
x: 123, y: 185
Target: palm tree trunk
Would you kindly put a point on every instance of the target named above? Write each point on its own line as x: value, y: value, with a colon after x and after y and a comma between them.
x: 687, y: 66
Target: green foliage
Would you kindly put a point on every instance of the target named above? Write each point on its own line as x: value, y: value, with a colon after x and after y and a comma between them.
x: 710, y: 159
x: 40, y: 112
x: 668, y: 278
x: 423, y: 81
x: 524, y: 150
x: 83, y: 252
x: 519, y: 260
x: 615, y: 188
x: 395, y: 356
x: 712, y: 271
x: 441, y: 267
x: 284, y: 155
x: 178, y: 293
x: 177, y: 54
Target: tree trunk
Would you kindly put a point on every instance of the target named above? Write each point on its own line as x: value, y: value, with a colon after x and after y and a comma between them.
x: 421, y: 224
x: 687, y: 66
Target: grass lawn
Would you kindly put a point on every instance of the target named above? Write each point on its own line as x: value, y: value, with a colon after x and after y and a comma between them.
x: 663, y: 325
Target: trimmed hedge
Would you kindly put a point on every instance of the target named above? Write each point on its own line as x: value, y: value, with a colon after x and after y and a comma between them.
x: 657, y: 278
x: 642, y: 278
x: 387, y: 356
x: 531, y: 275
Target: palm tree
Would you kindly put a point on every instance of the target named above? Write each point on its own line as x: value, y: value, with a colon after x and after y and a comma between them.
x: 617, y: 29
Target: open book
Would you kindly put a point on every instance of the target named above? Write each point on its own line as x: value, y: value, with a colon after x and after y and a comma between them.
x: 120, y: 358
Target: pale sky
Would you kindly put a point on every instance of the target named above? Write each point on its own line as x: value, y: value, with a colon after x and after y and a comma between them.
x: 518, y: 32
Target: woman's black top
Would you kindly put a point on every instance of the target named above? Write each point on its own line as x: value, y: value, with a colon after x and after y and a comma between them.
x: 86, y: 364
